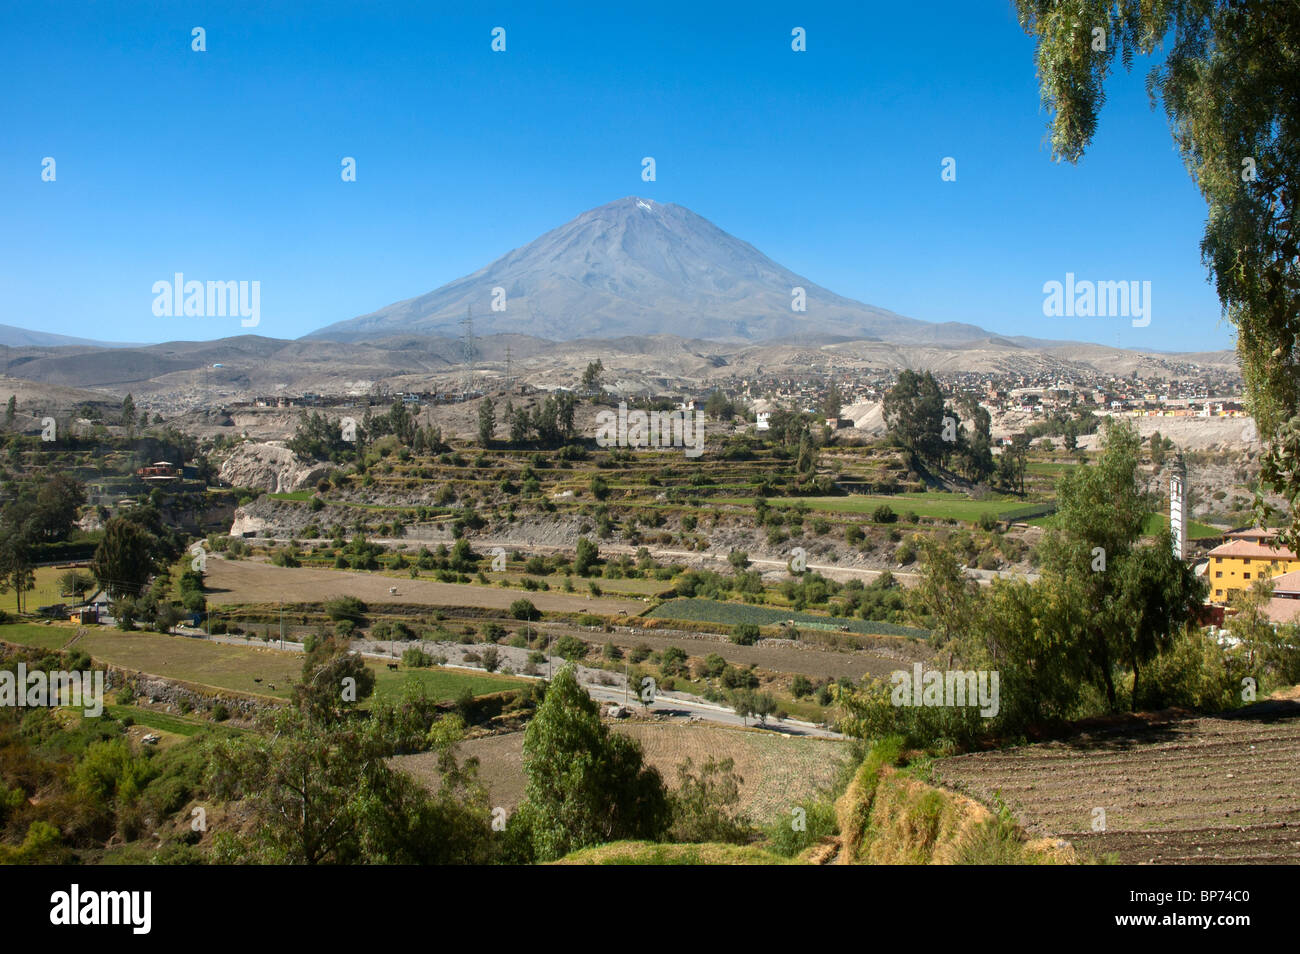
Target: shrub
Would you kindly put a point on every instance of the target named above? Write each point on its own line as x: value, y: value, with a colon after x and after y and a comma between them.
x: 745, y: 634
x: 413, y: 657
x: 524, y: 609
x: 346, y: 607
x: 571, y: 648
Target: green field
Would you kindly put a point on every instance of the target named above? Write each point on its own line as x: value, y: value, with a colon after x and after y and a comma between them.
x: 439, y: 684
x: 935, y: 504
x: 165, y: 722
x: 224, y: 666
x: 1158, y: 524
x: 1155, y: 524
x: 37, y: 635
x: 731, y: 614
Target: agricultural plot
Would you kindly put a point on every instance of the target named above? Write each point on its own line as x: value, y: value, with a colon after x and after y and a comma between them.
x: 732, y: 614
x: 778, y: 771
x: 237, y: 668
x: 438, y: 684
x: 934, y: 504
x: 37, y: 635
x: 244, y: 582
x: 1206, y: 790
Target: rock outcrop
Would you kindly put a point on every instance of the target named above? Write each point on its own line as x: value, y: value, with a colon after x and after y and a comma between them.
x: 271, y: 467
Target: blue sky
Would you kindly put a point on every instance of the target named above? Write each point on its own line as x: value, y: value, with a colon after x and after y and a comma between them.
x: 225, y: 164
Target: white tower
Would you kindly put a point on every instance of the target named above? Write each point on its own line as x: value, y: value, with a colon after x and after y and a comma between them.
x: 1178, y: 508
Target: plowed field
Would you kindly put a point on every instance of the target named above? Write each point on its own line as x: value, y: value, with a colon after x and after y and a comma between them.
x: 1202, y: 790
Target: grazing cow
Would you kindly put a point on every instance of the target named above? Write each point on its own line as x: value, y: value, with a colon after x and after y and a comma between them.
x: 392, y: 665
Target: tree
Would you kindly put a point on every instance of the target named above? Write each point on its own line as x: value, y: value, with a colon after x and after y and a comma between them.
x: 326, y: 795
x: 487, y: 422
x: 591, y: 377
x: 1250, y: 623
x: 1156, y: 594
x: 334, y: 681
x: 128, y: 413
x: 518, y: 424
x: 913, y: 410
x: 525, y: 610
x: 1157, y: 449
x: 944, y: 599
x: 586, y: 785
x: 126, y: 557
x: 588, y: 555
x: 1227, y: 82
x: 11, y: 409
x: 75, y: 584
x: 1099, y: 519
x: 833, y: 402
x: 705, y: 803
x: 16, y: 571
x: 743, y: 702
x: 764, y: 706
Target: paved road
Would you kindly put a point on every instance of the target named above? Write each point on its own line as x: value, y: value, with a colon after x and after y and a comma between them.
x: 665, y: 703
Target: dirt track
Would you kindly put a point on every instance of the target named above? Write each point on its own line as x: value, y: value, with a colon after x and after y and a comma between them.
x: 1206, y: 790
x: 246, y: 581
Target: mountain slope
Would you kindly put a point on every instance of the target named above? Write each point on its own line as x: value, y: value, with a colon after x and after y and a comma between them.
x: 635, y: 267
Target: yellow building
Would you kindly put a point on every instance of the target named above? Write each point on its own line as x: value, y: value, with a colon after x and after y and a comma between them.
x: 1243, y: 558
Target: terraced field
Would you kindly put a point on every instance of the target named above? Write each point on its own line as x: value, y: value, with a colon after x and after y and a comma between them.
x: 778, y: 771
x: 1206, y: 790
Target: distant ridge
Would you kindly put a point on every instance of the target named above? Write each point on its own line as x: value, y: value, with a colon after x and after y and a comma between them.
x: 14, y: 337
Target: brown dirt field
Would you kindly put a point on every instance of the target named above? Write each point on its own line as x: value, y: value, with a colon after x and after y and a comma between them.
x: 1199, y: 790
x: 778, y: 772
x: 247, y: 581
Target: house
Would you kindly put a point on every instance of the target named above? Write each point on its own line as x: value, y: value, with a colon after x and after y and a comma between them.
x: 1246, y: 556
x: 91, y: 611
x: 1284, y: 607
x: 160, y: 471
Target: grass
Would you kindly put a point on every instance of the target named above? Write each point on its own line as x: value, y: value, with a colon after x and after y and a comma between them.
x: 655, y: 853
x: 37, y: 635
x: 225, y: 666
x: 1157, y: 524
x: 438, y: 684
x: 47, y: 591
x: 165, y: 722
x: 293, y: 495
x: 1154, y: 524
